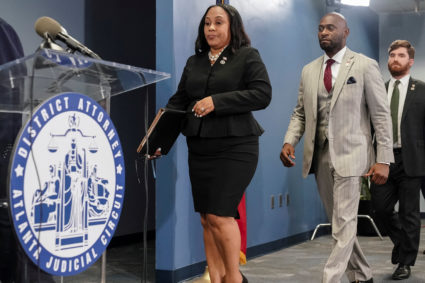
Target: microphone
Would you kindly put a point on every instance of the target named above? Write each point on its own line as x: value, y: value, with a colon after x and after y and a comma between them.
x: 54, y: 30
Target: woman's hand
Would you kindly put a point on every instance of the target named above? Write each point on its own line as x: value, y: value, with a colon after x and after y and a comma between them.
x: 156, y: 155
x: 203, y: 107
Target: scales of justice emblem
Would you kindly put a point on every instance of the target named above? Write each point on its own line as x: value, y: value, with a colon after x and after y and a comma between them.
x: 67, y: 184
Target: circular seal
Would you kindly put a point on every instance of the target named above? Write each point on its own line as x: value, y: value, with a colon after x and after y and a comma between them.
x: 67, y: 182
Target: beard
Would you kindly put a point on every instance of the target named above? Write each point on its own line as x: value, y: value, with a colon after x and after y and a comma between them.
x: 397, y: 69
x: 330, y: 46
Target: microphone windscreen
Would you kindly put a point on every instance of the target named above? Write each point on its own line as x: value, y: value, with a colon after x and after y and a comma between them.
x: 49, y: 25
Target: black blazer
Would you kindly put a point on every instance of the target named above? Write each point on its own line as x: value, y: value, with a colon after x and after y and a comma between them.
x: 412, y: 129
x: 238, y: 84
x: 11, y: 49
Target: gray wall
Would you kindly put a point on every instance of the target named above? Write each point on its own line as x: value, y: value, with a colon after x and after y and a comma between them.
x: 409, y: 26
x: 23, y: 14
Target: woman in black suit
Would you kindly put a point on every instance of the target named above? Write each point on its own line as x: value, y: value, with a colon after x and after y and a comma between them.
x: 221, y: 84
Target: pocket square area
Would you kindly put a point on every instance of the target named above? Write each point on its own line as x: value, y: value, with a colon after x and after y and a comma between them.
x: 351, y: 80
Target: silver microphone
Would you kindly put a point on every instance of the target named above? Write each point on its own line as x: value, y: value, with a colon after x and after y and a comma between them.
x: 48, y: 26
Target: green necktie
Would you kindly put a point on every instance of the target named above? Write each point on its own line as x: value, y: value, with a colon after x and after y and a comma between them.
x: 394, y: 110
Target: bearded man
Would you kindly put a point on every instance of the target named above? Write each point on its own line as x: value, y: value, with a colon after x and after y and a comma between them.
x: 407, y: 99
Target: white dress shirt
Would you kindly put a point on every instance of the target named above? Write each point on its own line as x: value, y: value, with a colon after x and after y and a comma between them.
x: 335, y: 66
x: 402, y: 87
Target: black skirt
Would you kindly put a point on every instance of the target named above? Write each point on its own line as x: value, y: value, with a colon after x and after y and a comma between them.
x: 220, y: 169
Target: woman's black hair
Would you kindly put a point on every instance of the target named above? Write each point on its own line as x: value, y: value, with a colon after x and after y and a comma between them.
x: 238, y: 36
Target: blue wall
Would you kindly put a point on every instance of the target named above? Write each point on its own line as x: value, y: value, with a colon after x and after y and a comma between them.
x: 177, y: 226
x: 364, y: 30
x: 285, y: 32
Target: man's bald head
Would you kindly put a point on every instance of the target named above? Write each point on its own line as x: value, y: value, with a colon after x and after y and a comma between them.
x: 339, y: 16
x: 333, y: 33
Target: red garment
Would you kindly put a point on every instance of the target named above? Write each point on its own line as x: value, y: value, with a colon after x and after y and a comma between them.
x: 242, y: 228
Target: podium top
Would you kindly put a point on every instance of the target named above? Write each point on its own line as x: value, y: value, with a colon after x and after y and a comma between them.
x: 27, y: 81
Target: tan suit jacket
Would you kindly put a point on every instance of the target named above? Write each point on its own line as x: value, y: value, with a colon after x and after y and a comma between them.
x: 354, y: 106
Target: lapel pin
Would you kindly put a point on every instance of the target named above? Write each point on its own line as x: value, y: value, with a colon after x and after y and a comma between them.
x: 222, y: 62
x: 412, y: 87
x: 349, y: 60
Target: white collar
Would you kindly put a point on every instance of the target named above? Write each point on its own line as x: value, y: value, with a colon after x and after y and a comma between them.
x: 404, y: 80
x: 337, y: 57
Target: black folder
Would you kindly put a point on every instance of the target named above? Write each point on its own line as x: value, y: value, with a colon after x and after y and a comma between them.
x: 163, y: 131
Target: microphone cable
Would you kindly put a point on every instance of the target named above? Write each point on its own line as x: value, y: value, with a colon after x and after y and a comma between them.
x: 37, y: 175
x: 145, y: 186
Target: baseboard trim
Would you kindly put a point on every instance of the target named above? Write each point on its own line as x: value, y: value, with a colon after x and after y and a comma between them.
x: 193, y: 270
x: 270, y: 247
x: 184, y: 273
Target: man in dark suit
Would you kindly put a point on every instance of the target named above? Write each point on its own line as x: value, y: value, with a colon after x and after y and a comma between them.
x: 15, y: 266
x: 10, y: 49
x: 407, y: 99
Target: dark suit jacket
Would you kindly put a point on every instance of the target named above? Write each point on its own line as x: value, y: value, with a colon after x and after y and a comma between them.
x: 238, y: 84
x: 412, y: 129
x: 10, y: 49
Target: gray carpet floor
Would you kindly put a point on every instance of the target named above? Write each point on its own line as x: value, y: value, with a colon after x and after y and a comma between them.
x: 300, y: 263
x: 304, y: 263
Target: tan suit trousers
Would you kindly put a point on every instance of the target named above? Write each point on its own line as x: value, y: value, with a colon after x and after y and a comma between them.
x: 340, y: 197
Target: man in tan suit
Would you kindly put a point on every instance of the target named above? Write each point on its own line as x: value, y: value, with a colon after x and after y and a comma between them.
x: 341, y: 94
